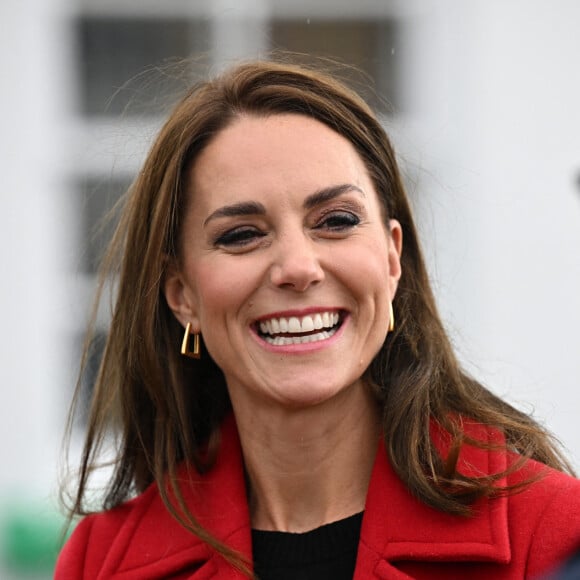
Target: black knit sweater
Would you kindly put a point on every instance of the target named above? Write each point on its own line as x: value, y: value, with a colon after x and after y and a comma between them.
x: 326, y: 552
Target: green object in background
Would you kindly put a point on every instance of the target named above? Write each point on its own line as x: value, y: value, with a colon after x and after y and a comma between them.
x: 31, y: 536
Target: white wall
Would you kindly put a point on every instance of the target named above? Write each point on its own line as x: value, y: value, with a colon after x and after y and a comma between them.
x: 497, y: 140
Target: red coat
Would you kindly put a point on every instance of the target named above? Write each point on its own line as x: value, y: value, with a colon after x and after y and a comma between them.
x: 513, y: 537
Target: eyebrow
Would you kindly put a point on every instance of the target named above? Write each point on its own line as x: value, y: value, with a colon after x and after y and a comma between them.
x: 329, y: 193
x: 254, y: 208
x: 237, y: 209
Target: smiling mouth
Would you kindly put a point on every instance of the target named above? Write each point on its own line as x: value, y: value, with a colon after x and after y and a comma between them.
x: 300, y: 330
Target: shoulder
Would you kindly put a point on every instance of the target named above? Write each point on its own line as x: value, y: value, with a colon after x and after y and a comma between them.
x: 143, y: 537
x: 90, y: 545
x: 138, y: 539
x: 545, y: 517
x: 514, y: 534
x: 540, y: 492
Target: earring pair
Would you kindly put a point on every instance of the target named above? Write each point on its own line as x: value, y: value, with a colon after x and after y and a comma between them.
x: 185, y: 348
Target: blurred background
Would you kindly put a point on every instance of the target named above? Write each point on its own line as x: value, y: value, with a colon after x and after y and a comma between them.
x: 483, y: 101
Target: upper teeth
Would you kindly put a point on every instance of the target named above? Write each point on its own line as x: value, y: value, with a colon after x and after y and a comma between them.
x: 303, y: 324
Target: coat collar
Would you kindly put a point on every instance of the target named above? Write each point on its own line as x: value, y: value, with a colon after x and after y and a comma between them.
x: 396, y: 526
x: 151, y: 544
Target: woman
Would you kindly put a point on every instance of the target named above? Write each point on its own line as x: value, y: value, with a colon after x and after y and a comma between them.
x: 313, y: 421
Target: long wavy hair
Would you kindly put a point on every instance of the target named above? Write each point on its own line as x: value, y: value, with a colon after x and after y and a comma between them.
x: 165, y: 408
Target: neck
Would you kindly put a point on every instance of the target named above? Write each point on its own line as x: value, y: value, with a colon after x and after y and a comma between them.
x: 312, y: 466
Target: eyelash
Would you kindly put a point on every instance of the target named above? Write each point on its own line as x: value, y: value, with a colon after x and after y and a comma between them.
x: 334, y: 221
x: 338, y: 221
x: 238, y: 236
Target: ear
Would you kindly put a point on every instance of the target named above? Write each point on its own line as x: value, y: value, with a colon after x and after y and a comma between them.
x: 179, y: 296
x: 395, y: 249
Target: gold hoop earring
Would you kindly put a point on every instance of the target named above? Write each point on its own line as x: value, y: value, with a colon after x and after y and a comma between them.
x: 391, y: 318
x: 195, y: 353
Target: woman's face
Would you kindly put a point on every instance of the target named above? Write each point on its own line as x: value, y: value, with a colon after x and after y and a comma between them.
x: 287, y: 267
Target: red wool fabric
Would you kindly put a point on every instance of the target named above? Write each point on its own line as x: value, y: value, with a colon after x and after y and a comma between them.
x: 507, y: 538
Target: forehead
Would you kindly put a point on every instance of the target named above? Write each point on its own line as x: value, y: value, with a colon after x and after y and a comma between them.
x: 272, y: 154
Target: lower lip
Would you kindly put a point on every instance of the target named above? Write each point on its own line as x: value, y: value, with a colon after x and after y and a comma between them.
x: 303, y: 348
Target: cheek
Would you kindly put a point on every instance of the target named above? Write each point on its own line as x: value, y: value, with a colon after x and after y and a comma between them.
x: 221, y: 288
x: 369, y: 277
x: 210, y: 287
x: 369, y: 265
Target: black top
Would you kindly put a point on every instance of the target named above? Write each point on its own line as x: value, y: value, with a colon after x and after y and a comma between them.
x: 326, y: 552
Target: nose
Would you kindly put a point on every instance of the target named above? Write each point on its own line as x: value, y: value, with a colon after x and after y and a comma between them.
x: 296, y: 263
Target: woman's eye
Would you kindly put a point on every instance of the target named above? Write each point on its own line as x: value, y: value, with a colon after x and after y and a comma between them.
x: 338, y: 221
x: 238, y: 237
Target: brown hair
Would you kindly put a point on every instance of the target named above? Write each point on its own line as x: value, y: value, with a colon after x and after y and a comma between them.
x: 167, y: 408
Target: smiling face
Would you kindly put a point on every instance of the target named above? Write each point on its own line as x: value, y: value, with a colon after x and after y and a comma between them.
x: 287, y: 268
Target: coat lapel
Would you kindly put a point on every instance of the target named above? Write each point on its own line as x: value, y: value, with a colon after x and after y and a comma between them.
x: 152, y: 545
x: 399, y: 528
